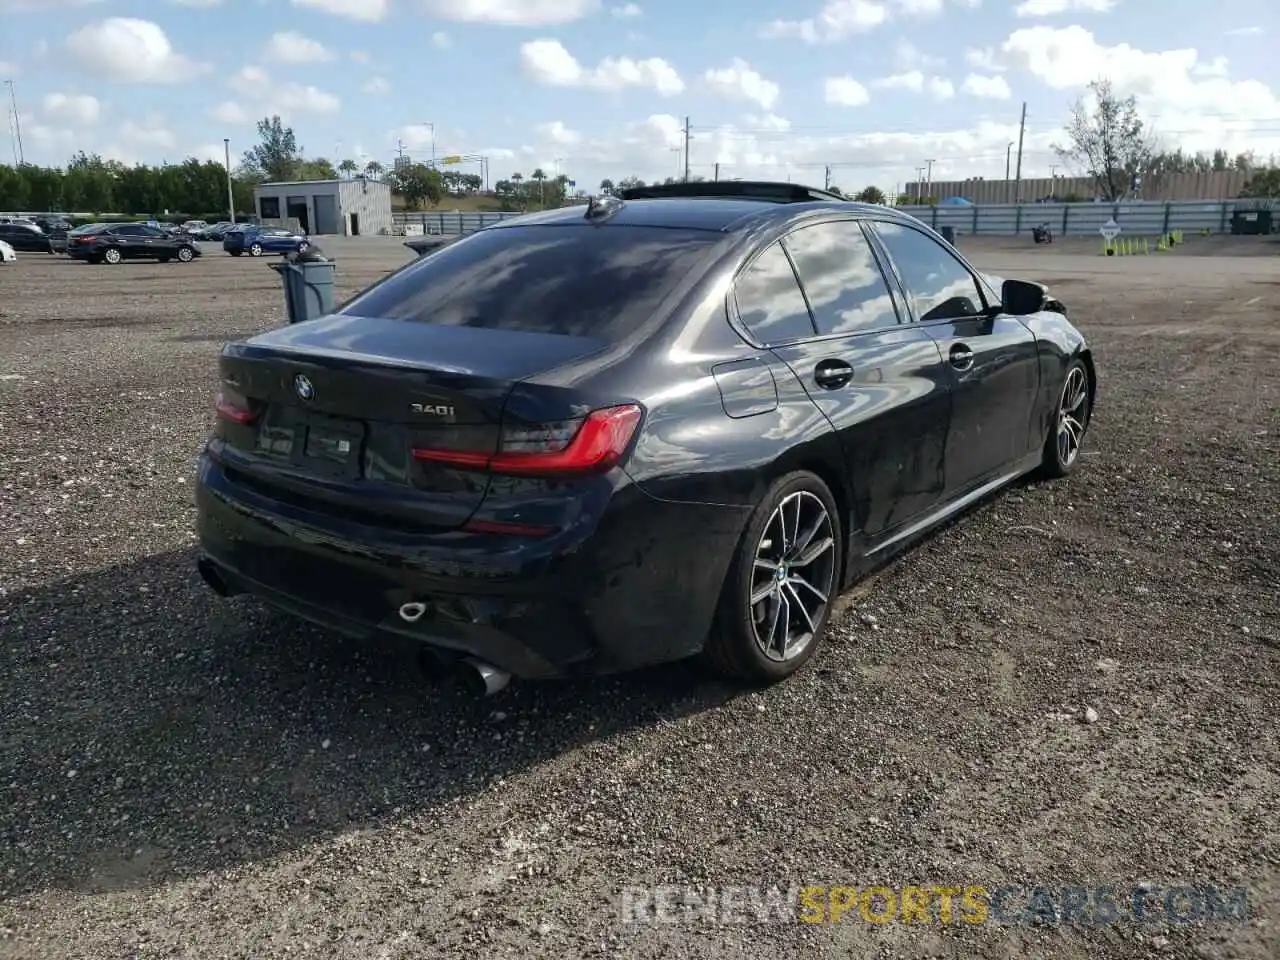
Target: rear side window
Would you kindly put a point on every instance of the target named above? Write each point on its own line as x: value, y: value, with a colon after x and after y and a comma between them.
x: 939, y: 284
x: 841, y: 277
x: 769, y: 299
x: 601, y: 282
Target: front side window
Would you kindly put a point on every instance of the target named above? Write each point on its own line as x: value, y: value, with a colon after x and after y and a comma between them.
x: 769, y: 299
x: 938, y: 284
x: 840, y: 275
x: 579, y: 280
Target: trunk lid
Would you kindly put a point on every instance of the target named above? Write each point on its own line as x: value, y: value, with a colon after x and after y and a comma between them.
x: 333, y: 410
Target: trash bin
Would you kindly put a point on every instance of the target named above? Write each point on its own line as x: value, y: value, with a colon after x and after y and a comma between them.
x: 949, y: 235
x: 1251, y: 223
x: 308, y: 285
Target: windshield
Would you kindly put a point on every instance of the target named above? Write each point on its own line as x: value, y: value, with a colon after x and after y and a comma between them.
x: 587, y: 281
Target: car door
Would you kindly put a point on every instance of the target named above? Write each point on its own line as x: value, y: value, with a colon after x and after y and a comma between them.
x: 129, y: 239
x: 991, y: 357
x: 881, y: 384
x: 154, y: 242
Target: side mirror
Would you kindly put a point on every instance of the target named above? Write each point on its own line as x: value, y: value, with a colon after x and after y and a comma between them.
x: 1022, y: 298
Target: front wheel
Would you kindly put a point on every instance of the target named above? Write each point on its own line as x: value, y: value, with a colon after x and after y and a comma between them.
x: 303, y: 246
x: 185, y: 254
x: 1062, y: 446
x: 781, y: 584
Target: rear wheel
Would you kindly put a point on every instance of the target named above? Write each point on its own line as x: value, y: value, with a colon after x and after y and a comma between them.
x: 1062, y: 446
x: 255, y: 249
x: 235, y: 253
x: 303, y: 246
x: 112, y: 255
x: 780, y: 587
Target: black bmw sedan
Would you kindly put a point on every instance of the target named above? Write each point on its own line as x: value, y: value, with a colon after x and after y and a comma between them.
x: 596, y: 438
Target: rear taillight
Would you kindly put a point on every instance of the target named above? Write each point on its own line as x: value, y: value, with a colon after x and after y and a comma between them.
x: 569, y: 447
x: 236, y: 409
x: 89, y: 238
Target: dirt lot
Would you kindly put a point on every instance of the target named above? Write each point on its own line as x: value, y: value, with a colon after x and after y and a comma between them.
x: 182, y: 776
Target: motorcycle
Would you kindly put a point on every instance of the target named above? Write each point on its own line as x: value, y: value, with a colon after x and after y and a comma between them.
x: 1042, y: 234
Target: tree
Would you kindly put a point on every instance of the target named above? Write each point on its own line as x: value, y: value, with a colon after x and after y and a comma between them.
x: 1263, y: 183
x: 607, y: 187
x: 417, y: 183
x: 317, y: 168
x: 349, y: 167
x: 277, y: 156
x: 374, y: 170
x: 1108, y: 140
x: 871, y: 195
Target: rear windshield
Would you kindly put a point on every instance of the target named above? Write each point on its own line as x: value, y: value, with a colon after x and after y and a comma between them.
x: 600, y: 282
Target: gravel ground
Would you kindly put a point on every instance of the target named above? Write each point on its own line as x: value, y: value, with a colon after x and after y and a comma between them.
x: 1075, y: 684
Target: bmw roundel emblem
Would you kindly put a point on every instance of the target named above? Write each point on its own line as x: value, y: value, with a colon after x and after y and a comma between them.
x: 303, y: 388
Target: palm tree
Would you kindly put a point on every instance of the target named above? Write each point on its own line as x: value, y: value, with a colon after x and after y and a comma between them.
x: 374, y: 169
x: 348, y: 167
x: 606, y: 186
x: 540, y: 178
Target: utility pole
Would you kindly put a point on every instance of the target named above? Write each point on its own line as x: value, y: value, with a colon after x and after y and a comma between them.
x: 929, y: 176
x: 686, y: 149
x: 1022, y: 129
x: 17, y: 122
x: 717, y: 172
x: 827, y: 183
x: 400, y: 150
x: 432, y: 127
x: 919, y: 183
x: 231, y: 196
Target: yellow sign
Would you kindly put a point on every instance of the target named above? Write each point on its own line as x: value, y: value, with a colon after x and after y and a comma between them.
x: 451, y: 159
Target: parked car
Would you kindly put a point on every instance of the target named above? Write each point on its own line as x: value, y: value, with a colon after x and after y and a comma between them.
x: 117, y: 242
x: 26, y: 237
x: 256, y: 241
x: 7, y: 253
x: 215, y: 231
x: 592, y: 439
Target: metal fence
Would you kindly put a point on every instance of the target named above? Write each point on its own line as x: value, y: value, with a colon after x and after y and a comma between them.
x: 446, y: 223
x: 1137, y: 219
x: 1174, y: 187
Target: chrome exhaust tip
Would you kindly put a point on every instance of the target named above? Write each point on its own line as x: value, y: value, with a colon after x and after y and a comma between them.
x: 483, y: 678
x: 412, y: 612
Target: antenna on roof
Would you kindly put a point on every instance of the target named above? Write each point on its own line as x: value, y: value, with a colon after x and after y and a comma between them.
x: 602, y: 206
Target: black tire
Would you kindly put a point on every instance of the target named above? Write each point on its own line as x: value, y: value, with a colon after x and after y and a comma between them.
x: 255, y: 249
x: 733, y: 649
x: 1061, y: 457
x: 113, y: 256
x: 186, y: 254
x: 235, y: 253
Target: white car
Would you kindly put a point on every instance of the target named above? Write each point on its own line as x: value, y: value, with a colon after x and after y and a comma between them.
x: 7, y: 254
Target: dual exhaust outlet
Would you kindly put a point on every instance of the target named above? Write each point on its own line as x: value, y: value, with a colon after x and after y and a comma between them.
x: 483, y: 679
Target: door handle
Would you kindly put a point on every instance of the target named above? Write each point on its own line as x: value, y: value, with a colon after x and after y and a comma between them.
x: 961, y: 357
x: 832, y: 374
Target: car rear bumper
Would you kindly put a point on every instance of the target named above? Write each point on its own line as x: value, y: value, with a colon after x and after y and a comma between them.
x: 641, y: 588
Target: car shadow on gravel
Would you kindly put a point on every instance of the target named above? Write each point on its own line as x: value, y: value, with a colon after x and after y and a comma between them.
x: 150, y: 731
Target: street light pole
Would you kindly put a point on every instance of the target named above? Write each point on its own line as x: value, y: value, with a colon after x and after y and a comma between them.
x: 17, y: 123
x: 432, y: 127
x: 231, y: 197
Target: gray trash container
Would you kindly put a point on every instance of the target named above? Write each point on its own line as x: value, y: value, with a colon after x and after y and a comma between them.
x: 949, y: 235
x: 308, y: 285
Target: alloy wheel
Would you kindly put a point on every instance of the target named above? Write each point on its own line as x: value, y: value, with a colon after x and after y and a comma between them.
x: 185, y: 254
x: 1071, y: 415
x: 255, y: 250
x: 793, y: 576
x: 112, y: 255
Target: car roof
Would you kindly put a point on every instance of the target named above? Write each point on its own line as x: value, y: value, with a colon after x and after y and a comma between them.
x: 722, y: 211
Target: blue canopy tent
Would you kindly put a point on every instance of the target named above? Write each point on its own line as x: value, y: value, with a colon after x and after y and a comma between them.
x: 955, y: 202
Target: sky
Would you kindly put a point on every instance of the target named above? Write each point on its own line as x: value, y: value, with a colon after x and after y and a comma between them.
x: 778, y: 90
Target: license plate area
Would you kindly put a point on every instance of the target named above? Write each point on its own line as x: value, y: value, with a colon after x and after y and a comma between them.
x: 317, y: 443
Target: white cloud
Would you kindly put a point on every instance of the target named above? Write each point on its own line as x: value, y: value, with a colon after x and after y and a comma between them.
x: 920, y: 8
x: 549, y: 63
x: 846, y: 92
x: 269, y: 96
x: 74, y: 109
x: 627, y: 11
x: 985, y: 59
x: 147, y: 134
x: 130, y: 51
x: 441, y: 40
x: 8, y: 70
x: 990, y: 88
x: 914, y: 80
x: 769, y: 122
x: 1245, y: 32
x: 376, y: 86
x: 558, y: 134
x: 1049, y: 8
x: 366, y: 11
x: 941, y: 88
x: 292, y: 47
x: 513, y: 13
x: 231, y: 113
x: 836, y: 21
x: 43, y: 6
x: 911, y: 57
x: 739, y: 82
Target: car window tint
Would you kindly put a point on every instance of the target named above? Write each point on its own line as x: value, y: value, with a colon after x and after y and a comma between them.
x: 579, y: 280
x: 128, y: 230
x: 841, y: 278
x: 769, y: 299
x: 938, y: 284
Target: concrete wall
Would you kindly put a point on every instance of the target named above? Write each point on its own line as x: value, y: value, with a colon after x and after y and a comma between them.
x: 370, y: 201
x: 1218, y: 185
x: 1144, y: 219
x: 283, y: 191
